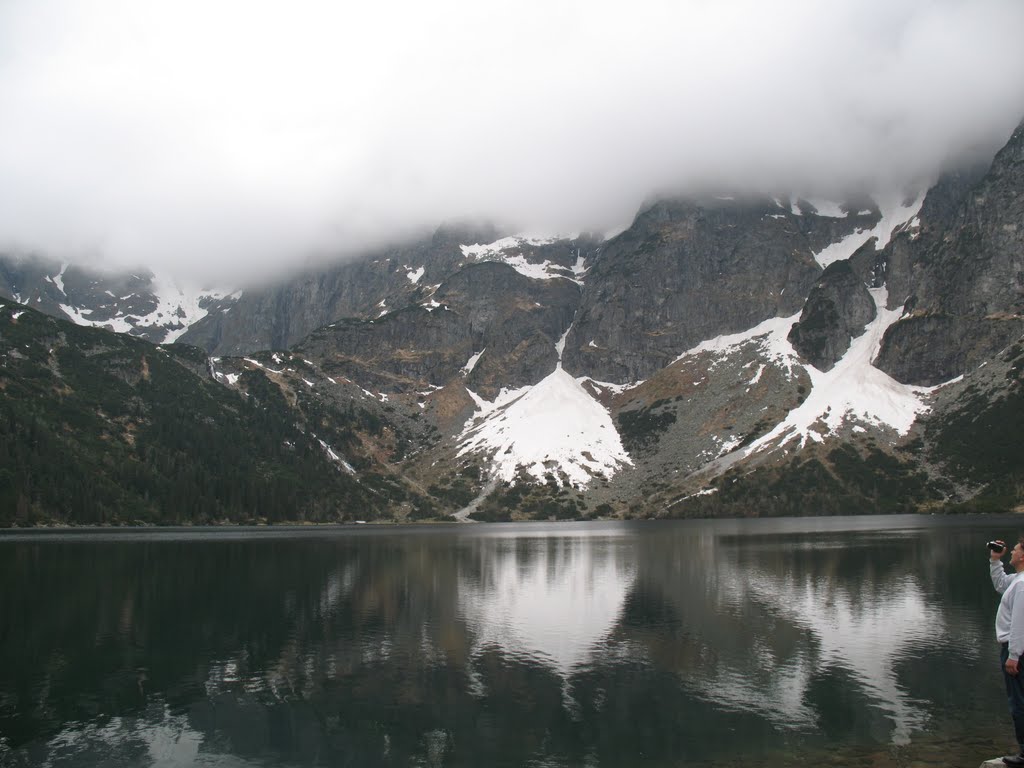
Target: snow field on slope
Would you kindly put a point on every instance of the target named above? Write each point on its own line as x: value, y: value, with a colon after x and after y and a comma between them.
x: 175, y: 305
x: 555, y: 422
x: 853, y: 391
x: 503, y: 251
x: 894, y: 214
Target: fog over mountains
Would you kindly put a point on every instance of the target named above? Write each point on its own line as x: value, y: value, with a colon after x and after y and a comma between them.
x: 722, y: 355
x: 212, y: 139
x: 793, y: 279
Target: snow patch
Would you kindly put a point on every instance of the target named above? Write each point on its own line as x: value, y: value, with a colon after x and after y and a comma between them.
x: 58, y: 280
x: 828, y: 209
x: 260, y: 365
x: 770, y: 335
x: 335, y: 457
x: 894, y: 215
x: 177, y: 306
x: 728, y: 446
x: 616, y: 389
x: 842, y: 249
x: 505, y: 251
x: 854, y: 391
x: 414, y: 275
x: 579, y: 268
x: 471, y: 363
x: 553, y: 425
x: 560, y: 344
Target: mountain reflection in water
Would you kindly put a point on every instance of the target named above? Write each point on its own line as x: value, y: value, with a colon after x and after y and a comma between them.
x: 612, y: 644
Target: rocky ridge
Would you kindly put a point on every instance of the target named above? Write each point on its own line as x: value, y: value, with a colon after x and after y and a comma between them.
x: 963, y: 275
x: 745, y: 355
x: 139, y: 303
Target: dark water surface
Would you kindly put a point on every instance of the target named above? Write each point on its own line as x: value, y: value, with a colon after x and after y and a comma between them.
x: 853, y: 641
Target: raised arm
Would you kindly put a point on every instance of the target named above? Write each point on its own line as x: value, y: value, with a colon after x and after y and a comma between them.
x: 1000, y: 578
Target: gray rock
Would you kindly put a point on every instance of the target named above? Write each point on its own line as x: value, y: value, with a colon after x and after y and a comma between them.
x: 964, y: 280
x: 488, y: 308
x: 837, y: 309
x: 279, y: 316
x: 105, y: 299
x: 931, y: 348
x: 686, y: 271
x: 903, y: 268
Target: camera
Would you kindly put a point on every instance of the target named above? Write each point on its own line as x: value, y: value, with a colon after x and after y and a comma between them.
x: 995, y: 546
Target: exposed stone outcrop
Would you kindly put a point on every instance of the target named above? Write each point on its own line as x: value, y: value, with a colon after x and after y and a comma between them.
x: 281, y: 315
x: 511, y: 321
x: 686, y: 271
x: 128, y: 302
x: 837, y: 309
x: 962, y: 279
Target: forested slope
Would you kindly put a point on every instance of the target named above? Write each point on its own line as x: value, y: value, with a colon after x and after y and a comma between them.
x: 97, y: 427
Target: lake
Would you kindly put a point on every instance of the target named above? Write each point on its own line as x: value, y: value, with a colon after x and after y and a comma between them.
x: 848, y: 641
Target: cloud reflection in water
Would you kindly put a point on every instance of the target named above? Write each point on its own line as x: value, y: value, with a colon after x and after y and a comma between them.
x: 556, y: 605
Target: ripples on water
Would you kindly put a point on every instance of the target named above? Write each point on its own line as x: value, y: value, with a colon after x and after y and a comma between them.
x: 863, y: 639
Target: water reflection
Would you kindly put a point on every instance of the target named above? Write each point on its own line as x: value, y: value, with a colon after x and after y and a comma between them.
x: 810, y: 619
x: 553, y: 604
x: 568, y: 645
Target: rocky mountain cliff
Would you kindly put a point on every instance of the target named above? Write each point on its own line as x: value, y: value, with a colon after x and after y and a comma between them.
x: 962, y: 275
x: 686, y: 271
x: 722, y: 355
x: 139, y: 303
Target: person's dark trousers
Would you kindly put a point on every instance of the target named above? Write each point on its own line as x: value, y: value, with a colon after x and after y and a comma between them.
x: 1014, y: 695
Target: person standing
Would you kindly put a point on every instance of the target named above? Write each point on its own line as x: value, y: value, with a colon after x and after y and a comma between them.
x: 1010, y: 635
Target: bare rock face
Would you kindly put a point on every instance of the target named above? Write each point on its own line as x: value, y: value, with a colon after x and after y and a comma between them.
x: 837, y: 309
x: 963, y: 279
x: 686, y: 271
x: 507, y: 323
x: 930, y: 349
x: 128, y: 302
x: 903, y: 271
x: 280, y: 315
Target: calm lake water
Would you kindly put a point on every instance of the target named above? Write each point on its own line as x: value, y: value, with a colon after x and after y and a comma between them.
x: 853, y: 641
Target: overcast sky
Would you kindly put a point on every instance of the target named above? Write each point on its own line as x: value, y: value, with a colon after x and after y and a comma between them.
x: 203, y: 133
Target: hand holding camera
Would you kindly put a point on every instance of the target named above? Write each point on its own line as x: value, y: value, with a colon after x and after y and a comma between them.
x: 997, y: 548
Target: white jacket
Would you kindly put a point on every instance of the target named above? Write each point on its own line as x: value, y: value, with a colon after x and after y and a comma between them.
x: 1010, y: 616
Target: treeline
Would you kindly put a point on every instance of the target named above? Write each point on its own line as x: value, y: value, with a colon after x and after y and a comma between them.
x: 842, y: 481
x: 982, y: 440
x: 97, y: 428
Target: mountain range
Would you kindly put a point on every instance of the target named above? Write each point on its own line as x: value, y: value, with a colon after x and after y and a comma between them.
x: 725, y: 354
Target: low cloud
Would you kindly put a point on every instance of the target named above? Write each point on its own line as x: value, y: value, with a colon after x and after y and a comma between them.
x: 208, y: 135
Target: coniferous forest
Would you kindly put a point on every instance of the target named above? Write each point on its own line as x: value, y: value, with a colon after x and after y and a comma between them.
x: 103, y: 428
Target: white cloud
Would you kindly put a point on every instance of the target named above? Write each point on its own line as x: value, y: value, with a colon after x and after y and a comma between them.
x: 202, y: 132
